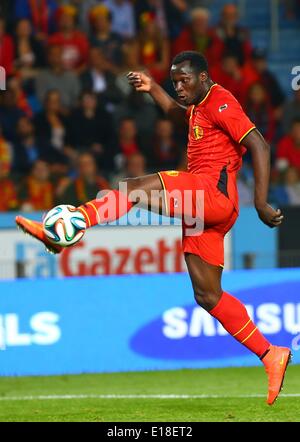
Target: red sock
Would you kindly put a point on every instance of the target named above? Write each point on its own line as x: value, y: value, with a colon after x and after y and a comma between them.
x: 234, y: 317
x: 108, y: 208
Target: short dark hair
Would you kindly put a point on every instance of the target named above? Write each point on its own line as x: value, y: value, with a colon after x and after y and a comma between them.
x: 197, y: 61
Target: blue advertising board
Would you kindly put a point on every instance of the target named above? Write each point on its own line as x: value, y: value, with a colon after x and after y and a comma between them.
x: 137, y: 322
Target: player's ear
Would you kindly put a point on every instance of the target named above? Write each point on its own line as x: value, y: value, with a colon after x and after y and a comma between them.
x: 203, y: 76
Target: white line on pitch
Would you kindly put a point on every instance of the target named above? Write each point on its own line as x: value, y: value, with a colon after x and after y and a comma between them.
x: 135, y: 396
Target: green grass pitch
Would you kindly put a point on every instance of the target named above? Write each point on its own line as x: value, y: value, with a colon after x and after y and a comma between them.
x: 222, y: 395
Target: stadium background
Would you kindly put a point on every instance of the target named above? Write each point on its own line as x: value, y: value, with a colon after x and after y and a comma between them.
x: 70, y: 126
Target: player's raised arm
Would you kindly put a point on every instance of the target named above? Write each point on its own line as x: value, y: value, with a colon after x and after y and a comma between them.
x: 144, y: 83
x: 260, y: 151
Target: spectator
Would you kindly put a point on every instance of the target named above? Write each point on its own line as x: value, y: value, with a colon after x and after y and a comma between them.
x: 230, y: 75
x: 104, y: 38
x: 9, y: 113
x: 234, y: 37
x: 260, y: 72
x: 134, y: 166
x: 98, y: 78
x: 123, y: 22
x: 73, y: 42
x: 55, y: 77
x: 292, y: 185
x: 29, y: 51
x: 285, y: 187
x: 82, y: 8
x: 41, y: 13
x: 260, y: 111
x: 165, y: 152
x: 170, y: 14
x: 37, y: 191
x: 28, y: 148
x: 127, y: 141
x: 176, y: 12
x: 291, y: 111
x: 288, y: 149
x: 131, y: 62
x: 278, y: 194
x: 22, y: 101
x: 143, y: 112
x: 111, y: 121
x: 6, y: 153
x: 7, y: 10
x: 291, y: 9
x: 198, y: 37
x: 87, y: 184
x: 155, y: 8
x: 90, y: 127
x: 9, y: 199
x: 7, y: 50
x: 154, y: 50
x: 50, y: 123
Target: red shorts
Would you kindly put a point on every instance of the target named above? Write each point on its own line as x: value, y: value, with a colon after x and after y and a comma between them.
x: 217, y: 210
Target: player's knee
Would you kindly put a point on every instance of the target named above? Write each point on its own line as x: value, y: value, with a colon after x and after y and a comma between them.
x: 207, y: 298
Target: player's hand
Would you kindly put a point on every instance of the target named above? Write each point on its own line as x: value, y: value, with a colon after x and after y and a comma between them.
x: 270, y: 216
x: 140, y: 81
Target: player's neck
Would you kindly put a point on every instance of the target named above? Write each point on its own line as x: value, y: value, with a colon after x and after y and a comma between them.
x: 208, y: 85
x: 206, y: 90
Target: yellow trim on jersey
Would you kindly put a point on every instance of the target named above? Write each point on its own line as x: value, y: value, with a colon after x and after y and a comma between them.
x: 248, y: 131
x: 86, y: 215
x: 207, y: 93
x: 164, y: 189
x: 97, y: 214
x: 242, y: 328
x: 192, y: 110
x: 249, y: 336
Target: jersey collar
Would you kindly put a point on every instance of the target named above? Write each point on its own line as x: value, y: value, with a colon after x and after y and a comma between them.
x: 207, y: 94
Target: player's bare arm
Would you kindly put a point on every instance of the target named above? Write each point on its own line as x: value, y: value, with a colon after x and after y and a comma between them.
x: 260, y: 151
x: 142, y: 82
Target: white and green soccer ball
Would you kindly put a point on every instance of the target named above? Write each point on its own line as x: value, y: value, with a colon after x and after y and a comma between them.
x: 64, y: 225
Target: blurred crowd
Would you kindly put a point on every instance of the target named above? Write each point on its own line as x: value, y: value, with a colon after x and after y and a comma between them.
x: 70, y: 125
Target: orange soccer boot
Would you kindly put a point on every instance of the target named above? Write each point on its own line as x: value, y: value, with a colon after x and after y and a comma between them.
x: 276, y: 362
x: 35, y: 229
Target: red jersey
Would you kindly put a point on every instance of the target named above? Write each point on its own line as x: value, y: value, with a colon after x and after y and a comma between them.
x: 75, y: 48
x: 7, y: 53
x: 217, y: 126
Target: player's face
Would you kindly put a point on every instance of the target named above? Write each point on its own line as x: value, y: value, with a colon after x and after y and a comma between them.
x: 187, y: 84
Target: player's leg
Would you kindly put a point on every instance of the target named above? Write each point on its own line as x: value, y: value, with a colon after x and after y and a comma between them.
x: 109, y: 206
x: 208, y: 292
x: 113, y: 204
x: 232, y: 314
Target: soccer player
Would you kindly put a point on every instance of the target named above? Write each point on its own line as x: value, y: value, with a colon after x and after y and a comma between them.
x: 219, y: 132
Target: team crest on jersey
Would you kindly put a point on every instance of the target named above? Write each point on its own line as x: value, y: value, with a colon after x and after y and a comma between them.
x: 172, y: 173
x: 223, y: 107
x: 198, y: 132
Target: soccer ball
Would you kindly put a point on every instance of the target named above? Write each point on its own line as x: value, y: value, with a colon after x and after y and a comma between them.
x: 64, y: 225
